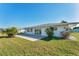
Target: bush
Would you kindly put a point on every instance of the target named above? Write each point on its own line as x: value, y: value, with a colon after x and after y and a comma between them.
x: 10, y: 31
x: 49, y: 32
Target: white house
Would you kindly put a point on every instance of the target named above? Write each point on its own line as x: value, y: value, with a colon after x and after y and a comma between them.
x: 39, y: 30
x: 75, y: 29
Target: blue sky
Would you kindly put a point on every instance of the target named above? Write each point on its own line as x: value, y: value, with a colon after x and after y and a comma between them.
x: 30, y: 14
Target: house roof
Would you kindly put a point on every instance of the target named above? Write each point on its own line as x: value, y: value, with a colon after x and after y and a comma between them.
x: 53, y: 25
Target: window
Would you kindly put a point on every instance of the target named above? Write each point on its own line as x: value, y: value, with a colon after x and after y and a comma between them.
x: 37, y: 31
x: 31, y: 30
x: 66, y: 29
x: 27, y: 30
x: 55, y: 28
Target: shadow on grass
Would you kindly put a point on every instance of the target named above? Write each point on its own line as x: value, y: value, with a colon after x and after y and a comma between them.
x: 4, y: 37
x: 51, y: 38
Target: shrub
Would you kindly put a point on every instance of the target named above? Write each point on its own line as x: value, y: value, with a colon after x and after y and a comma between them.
x: 49, y: 31
x: 10, y: 31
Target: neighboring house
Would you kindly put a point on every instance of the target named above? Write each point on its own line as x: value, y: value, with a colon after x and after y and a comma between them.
x: 21, y: 30
x: 58, y: 28
x: 75, y: 29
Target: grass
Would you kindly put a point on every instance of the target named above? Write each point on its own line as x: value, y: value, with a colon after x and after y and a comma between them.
x: 21, y: 47
x: 75, y: 35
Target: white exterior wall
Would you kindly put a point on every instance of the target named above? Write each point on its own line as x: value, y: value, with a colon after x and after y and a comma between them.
x: 57, y: 33
x: 43, y: 32
x: 29, y: 32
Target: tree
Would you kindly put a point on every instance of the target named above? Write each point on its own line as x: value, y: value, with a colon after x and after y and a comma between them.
x: 49, y: 32
x: 63, y: 21
x: 11, y: 32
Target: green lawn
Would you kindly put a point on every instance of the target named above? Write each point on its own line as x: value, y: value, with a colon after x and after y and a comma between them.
x: 22, y: 47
